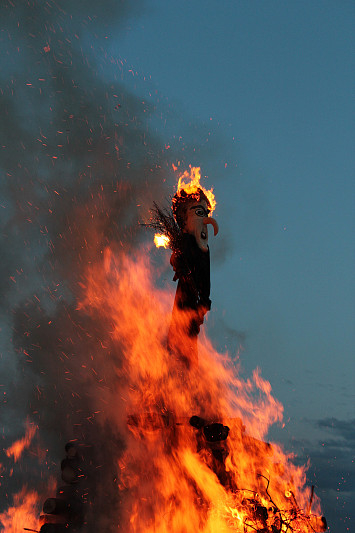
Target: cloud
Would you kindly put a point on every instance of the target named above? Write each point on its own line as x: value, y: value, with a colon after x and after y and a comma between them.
x: 342, y: 428
x: 332, y: 467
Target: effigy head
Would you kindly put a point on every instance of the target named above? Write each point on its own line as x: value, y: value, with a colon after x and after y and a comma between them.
x: 191, y: 212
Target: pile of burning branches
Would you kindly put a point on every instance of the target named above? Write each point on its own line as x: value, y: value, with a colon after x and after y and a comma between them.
x: 269, y: 518
x: 244, y: 510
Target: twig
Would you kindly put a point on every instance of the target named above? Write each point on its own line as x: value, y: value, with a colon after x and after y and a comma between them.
x: 250, y: 525
x: 267, y: 492
x: 310, y: 501
x: 163, y: 220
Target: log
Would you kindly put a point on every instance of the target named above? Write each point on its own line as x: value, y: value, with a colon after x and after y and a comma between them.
x: 215, y: 432
x: 52, y: 519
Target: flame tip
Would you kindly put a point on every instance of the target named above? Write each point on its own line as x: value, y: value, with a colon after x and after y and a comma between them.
x: 194, y: 186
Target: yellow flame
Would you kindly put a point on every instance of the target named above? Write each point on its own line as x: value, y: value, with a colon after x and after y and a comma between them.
x: 161, y: 240
x: 190, y: 187
x: 235, y: 513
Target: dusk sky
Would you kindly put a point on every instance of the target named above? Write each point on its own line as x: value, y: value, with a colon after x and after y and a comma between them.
x: 260, y: 96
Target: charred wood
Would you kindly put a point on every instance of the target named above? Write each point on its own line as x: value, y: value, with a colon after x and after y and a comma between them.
x: 71, y: 470
x: 71, y: 506
x: 52, y: 519
x: 55, y: 506
x: 215, y: 432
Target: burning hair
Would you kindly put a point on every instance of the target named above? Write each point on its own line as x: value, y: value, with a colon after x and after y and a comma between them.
x: 171, y: 221
x: 181, y: 200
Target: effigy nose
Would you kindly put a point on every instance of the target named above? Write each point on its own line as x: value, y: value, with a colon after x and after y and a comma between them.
x: 213, y: 222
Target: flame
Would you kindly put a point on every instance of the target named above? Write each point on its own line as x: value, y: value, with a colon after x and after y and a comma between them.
x: 178, y: 481
x: 161, y: 240
x: 17, y: 448
x: 192, y: 186
x: 23, y: 514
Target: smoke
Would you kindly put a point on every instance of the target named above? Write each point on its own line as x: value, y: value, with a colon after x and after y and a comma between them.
x: 81, y: 163
x: 80, y: 168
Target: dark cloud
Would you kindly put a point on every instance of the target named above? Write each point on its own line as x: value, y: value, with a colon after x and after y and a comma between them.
x: 340, y: 428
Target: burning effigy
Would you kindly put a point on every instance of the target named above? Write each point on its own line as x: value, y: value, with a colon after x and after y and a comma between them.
x: 185, y: 230
x: 195, y: 456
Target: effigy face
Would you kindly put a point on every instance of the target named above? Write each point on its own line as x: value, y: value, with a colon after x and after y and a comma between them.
x: 196, y: 222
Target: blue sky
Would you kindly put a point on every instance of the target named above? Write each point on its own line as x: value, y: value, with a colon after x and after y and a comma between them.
x: 260, y: 95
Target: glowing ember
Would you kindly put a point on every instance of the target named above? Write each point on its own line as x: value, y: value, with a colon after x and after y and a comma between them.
x: 17, y: 448
x: 192, y: 186
x: 161, y: 240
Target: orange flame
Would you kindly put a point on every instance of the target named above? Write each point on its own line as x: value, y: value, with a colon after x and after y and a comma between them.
x: 192, y: 186
x: 17, y: 448
x: 161, y: 240
x: 23, y: 514
x: 177, y: 480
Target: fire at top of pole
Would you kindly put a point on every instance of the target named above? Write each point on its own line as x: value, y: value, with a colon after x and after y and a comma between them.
x: 193, y: 187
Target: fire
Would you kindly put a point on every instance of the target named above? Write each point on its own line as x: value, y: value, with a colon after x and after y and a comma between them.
x: 17, y: 448
x: 161, y: 240
x: 23, y: 514
x: 192, y: 186
x: 183, y: 470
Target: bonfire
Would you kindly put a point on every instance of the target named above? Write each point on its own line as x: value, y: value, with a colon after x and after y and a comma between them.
x: 196, y: 459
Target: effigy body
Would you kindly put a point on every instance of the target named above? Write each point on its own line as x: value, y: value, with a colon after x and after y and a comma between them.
x: 191, y: 263
x: 192, y: 270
